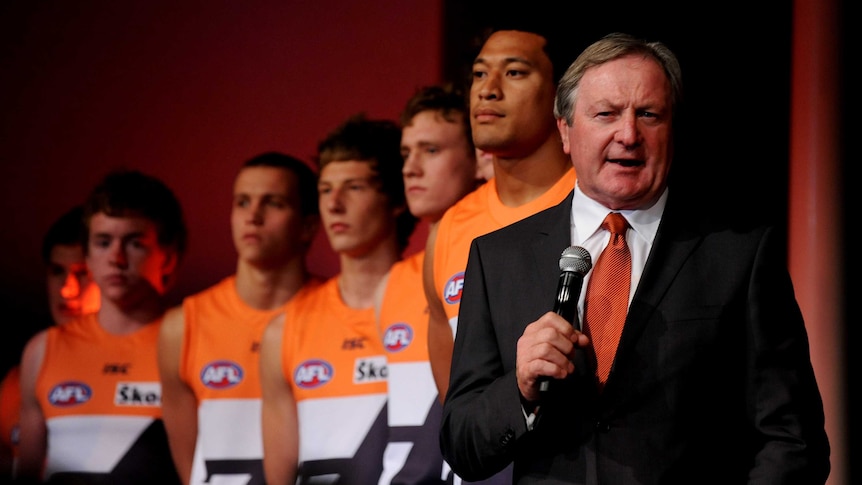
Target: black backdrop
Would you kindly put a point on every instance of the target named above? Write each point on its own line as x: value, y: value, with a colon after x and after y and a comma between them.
x: 733, y: 145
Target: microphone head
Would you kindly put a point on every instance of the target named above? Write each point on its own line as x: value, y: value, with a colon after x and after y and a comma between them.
x: 576, y: 259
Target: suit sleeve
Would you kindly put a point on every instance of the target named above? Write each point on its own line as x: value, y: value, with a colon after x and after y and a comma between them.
x: 785, y: 401
x: 482, y: 416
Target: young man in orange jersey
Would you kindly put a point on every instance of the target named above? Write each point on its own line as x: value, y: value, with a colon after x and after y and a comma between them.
x: 209, y: 346
x: 71, y: 293
x: 439, y: 168
x: 90, y: 392
x: 512, y: 119
x: 323, y: 365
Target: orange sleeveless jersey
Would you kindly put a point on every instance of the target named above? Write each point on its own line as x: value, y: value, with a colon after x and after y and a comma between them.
x: 101, y: 398
x: 10, y: 410
x: 334, y: 360
x: 413, y: 453
x: 478, y: 213
x: 220, y: 363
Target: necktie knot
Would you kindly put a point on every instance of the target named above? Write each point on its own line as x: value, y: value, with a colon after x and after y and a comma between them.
x: 615, y: 223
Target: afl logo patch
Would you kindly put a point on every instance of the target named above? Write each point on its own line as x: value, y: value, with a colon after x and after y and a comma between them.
x: 313, y: 373
x: 70, y: 393
x: 454, y: 287
x: 221, y: 374
x: 397, y: 337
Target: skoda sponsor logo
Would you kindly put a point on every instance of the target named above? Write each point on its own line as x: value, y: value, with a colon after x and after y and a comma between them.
x: 454, y: 287
x: 397, y: 337
x: 69, y: 393
x: 147, y: 394
x: 221, y: 374
x: 371, y: 369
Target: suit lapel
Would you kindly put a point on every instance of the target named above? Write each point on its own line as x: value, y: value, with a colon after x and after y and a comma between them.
x: 552, y: 236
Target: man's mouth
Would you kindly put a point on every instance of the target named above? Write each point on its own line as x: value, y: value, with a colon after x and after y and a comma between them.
x: 626, y: 162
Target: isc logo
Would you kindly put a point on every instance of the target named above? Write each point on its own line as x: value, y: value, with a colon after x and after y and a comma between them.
x: 138, y: 394
x: 370, y: 370
x: 313, y: 373
x: 397, y: 337
x: 70, y: 393
x: 453, y: 288
x: 221, y: 374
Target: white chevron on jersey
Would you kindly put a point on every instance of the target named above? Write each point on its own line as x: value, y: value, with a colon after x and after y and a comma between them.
x: 93, y: 444
x: 416, y: 393
x: 327, y: 432
x: 231, y: 422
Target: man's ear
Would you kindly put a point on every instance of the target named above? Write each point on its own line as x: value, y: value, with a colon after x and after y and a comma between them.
x: 563, y: 128
x: 169, y: 267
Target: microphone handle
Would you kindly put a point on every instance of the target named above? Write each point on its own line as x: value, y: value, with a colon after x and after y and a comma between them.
x: 566, y: 306
x: 566, y: 303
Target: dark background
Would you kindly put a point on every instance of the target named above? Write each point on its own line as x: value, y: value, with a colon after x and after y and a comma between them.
x: 732, y: 145
x: 189, y: 90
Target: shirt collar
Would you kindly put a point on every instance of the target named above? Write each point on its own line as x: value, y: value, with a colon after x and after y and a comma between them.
x: 587, y: 217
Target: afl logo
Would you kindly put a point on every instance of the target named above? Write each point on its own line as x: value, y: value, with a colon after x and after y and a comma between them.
x: 69, y: 393
x: 313, y: 373
x: 221, y: 374
x: 397, y: 337
x: 453, y: 288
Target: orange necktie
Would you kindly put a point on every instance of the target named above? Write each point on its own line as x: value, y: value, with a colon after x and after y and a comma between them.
x: 607, y: 296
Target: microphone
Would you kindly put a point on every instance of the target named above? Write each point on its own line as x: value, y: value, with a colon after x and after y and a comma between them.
x: 575, y: 262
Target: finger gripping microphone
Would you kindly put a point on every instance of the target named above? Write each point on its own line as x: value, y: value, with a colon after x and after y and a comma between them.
x: 575, y: 263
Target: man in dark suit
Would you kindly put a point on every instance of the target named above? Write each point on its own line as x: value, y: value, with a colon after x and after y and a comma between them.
x: 711, y: 381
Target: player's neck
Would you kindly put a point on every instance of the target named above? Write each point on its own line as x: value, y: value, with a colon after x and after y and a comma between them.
x: 122, y: 319
x: 522, y: 180
x: 266, y: 288
x: 362, y: 276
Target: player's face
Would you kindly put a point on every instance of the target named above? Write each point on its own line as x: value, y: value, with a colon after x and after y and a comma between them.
x: 512, y: 95
x: 439, y: 164
x: 356, y: 215
x: 126, y: 260
x: 267, y: 223
x: 71, y: 291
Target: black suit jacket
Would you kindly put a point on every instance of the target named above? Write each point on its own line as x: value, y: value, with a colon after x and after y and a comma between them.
x: 712, y: 381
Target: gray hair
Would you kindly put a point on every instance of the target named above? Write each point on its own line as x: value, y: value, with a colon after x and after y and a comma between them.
x: 610, y: 47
